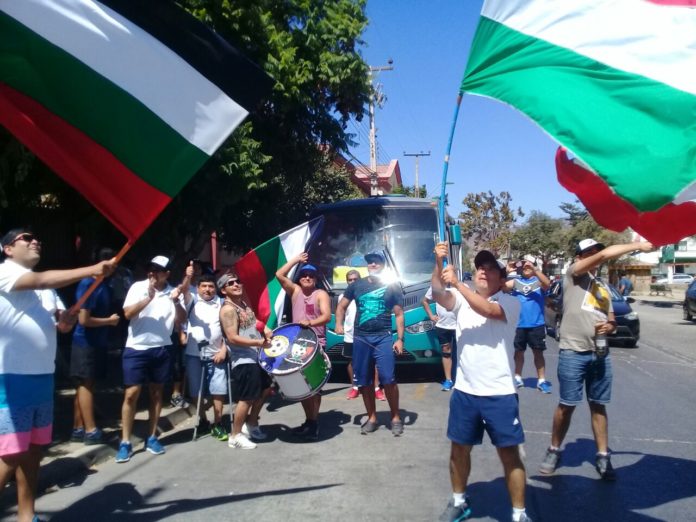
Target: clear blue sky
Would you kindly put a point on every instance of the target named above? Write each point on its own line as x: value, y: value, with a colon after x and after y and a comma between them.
x: 495, y: 147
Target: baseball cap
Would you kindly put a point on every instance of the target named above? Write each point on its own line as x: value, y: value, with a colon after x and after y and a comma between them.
x: 486, y: 256
x: 586, y: 244
x: 160, y: 262
x: 308, y: 268
x: 378, y: 255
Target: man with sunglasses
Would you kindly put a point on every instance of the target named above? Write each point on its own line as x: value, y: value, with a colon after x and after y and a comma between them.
x: 153, y: 308
x: 311, y: 308
x: 587, y: 315
x: 373, y: 344
x: 27, y: 358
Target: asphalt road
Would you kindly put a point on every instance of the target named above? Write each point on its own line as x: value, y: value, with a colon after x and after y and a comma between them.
x: 348, y: 476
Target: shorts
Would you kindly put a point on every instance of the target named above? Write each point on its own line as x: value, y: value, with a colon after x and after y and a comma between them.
x: 470, y: 415
x: 445, y: 336
x: 88, y: 362
x: 215, y: 377
x: 151, y: 365
x: 535, y: 337
x: 584, y: 369
x: 26, y: 412
x: 371, y: 349
x: 347, y: 350
x: 248, y: 382
x: 176, y: 357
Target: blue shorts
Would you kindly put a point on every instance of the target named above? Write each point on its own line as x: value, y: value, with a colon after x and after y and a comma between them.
x: 152, y: 365
x: 215, y: 378
x: 534, y: 337
x: 499, y: 415
x: 578, y: 369
x: 371, y: 349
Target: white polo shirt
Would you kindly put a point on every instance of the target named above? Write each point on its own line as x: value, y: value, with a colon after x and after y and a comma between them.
x: 154, y: 325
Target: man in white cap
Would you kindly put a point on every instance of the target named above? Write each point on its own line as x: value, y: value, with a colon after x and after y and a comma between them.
x: 153, y: 308
x: 484, y: 397
x: 584, y: 362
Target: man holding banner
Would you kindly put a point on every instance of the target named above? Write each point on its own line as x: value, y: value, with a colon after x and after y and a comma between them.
x: 27, y: 358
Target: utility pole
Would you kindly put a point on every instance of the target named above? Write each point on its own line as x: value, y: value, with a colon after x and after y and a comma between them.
x: 376, y: 98
x: 417, y: 155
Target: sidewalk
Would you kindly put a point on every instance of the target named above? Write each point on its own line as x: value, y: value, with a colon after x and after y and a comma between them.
x: 676, y: 298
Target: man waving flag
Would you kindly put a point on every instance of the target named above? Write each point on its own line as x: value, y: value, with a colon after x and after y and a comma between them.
x: 615, y: 83
x: 124, y: 100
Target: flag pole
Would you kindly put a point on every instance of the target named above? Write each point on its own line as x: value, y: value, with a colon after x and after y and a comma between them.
x: 76, y: 307
x: 443, y: 188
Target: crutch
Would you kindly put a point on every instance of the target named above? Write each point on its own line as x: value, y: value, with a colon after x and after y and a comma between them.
x: 200, y: 396
x: 229, y: 388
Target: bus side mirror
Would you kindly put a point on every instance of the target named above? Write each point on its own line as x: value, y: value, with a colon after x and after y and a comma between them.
x: 455, y: 234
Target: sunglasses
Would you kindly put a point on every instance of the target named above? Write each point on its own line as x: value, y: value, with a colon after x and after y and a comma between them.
x: 307, y: 274
x: 352, y: 279
x: 25, y: 237
x: 233, y: 282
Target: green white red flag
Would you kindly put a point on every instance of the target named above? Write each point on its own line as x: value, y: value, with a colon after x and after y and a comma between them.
x: 124, y: 100
x: 258, y: 267
x: 613, y: 82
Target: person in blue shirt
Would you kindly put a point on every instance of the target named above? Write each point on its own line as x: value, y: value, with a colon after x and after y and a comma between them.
x: 529, y: 284
x: 625, y: 285
x: 88, y: 357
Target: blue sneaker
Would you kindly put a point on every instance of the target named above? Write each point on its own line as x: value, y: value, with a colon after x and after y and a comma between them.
x: 544, y: 387
x: 447, y: 385
x: 93, y: 437
x: 154, y: 446
x: 125, y: 452
x: 77, y: 435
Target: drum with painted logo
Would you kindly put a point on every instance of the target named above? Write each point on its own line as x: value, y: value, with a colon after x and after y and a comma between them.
x: 296, y: 361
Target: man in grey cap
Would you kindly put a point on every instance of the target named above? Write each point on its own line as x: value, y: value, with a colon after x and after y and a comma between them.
x: 588, y: 317
x: 372, y: 339
x: 153, y: 308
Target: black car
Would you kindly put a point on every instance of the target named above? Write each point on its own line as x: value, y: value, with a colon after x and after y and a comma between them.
x: 690, y: 302
x: 627, y: 322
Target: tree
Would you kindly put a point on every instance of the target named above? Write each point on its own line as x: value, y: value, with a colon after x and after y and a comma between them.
x: 273, y: 168
x: 541, y: 236
x: 488, y: 219
x: 410, y: 191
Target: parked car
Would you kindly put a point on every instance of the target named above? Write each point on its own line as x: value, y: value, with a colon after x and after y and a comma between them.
x: 677, y: 279
x: 627, y: 321
x: 690, y: 302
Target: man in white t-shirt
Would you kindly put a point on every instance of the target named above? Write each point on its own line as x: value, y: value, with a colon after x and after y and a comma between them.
x: 484, y: 395
x: 445, y: 329
x: 30, y: 312
x: 153, y: 307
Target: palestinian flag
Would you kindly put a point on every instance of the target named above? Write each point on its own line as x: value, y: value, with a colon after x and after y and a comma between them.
x: 124, y: 100
x: 257, y: 269
x: 613, y: 82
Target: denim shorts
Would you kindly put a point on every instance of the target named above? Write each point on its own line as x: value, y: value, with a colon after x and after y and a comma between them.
x: 535, y: 337
x: 470, y: 415
x: 578, y: 369
x: 215, y: 377
x: 369, y: 350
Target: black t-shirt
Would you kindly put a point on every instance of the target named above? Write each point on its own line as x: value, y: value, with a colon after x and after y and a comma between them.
x: 374, y: 302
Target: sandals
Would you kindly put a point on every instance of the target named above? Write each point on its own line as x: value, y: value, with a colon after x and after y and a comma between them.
x: 368, y: 427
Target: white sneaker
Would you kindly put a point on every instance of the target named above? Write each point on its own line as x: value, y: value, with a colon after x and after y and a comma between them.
x: 519, y: 383
x: 240, y: 441
x: 253, y: 432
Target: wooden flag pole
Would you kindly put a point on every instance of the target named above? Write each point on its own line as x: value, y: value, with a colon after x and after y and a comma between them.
x: 74, y: 309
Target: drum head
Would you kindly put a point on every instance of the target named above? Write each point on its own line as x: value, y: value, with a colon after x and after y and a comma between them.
x: 292, y: 347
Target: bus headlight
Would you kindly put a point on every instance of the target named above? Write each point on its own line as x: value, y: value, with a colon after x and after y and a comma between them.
x: 420, y: 327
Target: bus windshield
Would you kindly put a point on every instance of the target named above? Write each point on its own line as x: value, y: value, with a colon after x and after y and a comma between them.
x: 408, y: 233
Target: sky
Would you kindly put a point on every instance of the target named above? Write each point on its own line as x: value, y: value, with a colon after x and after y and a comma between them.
x: 495, y: 147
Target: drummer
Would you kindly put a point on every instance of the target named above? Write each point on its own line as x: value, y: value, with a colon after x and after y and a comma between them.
x: 311, y: 308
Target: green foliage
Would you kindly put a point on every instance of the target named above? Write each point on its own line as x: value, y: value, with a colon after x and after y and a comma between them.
x: 410, y: 191
x: 488, y: 220
x: 273, y: 168
x: 541, y: 236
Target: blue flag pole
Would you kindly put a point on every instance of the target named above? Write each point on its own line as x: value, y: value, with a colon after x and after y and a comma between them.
x: 443, y: 188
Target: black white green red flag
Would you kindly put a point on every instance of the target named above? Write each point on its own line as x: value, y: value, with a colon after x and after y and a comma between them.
x: 614, y: 83
x: 124, y: 100
x: 258, y: 267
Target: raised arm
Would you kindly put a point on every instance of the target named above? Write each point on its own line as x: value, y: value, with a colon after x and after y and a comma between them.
x: 582, y: 266
x: 283, y: 271
x: 61, y: 278
x: 440, y: 295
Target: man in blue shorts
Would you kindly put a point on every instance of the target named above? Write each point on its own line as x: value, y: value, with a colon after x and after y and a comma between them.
x: 372, y: 339
x: 588, y: 316
x: 484, y: 395
x: 153, y: 307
